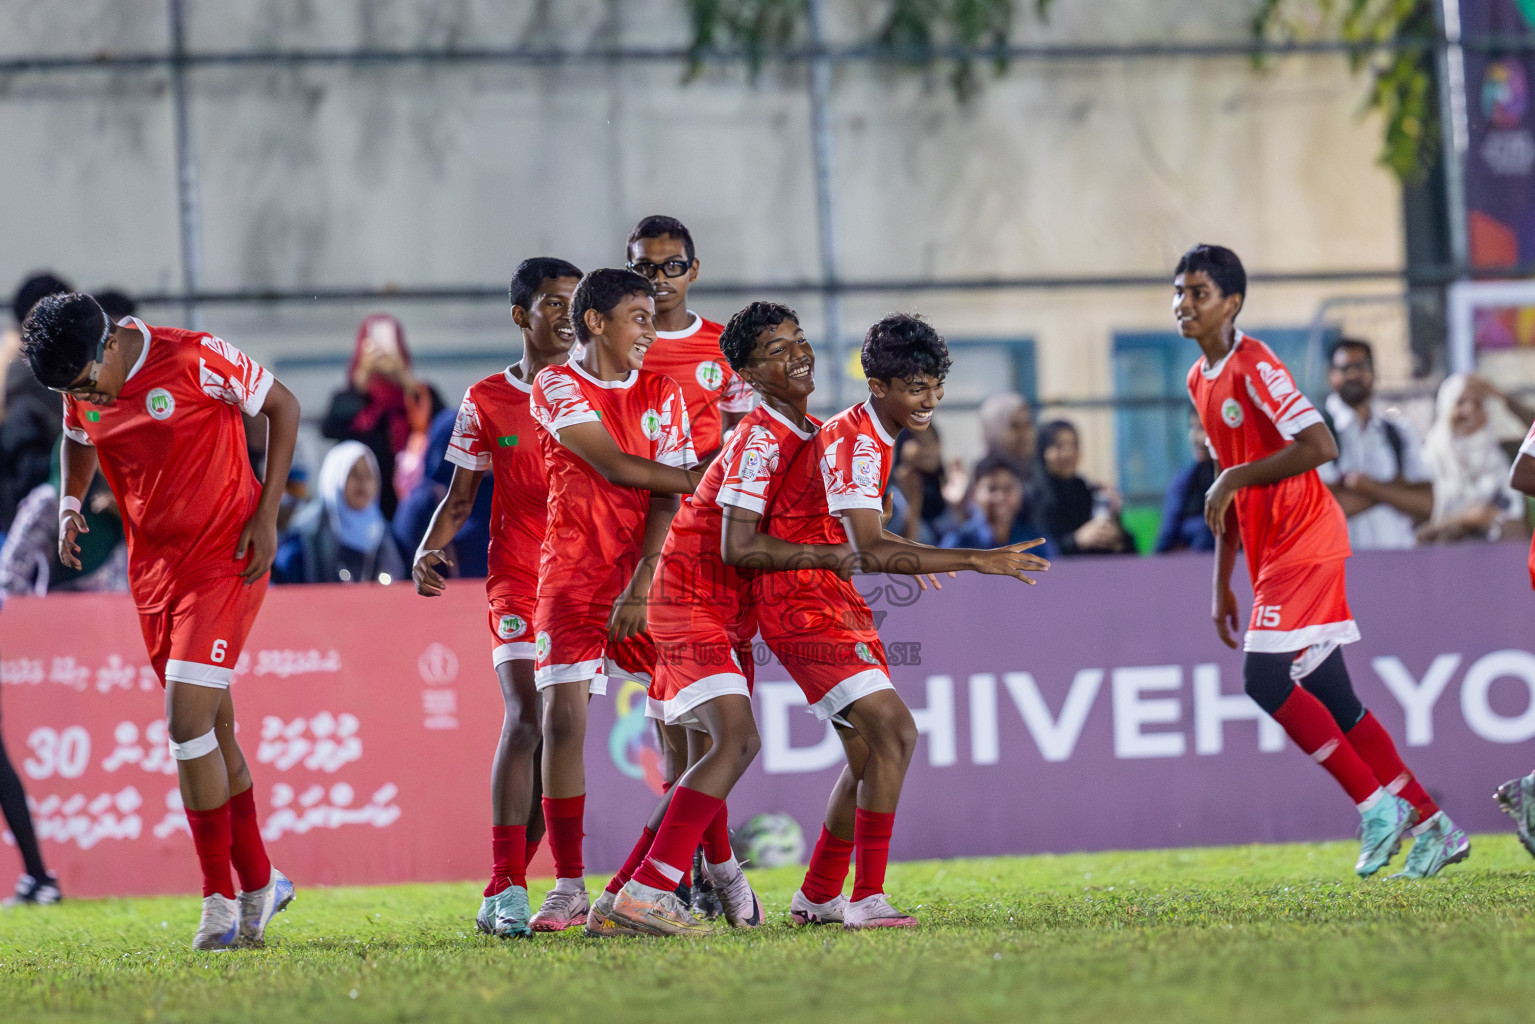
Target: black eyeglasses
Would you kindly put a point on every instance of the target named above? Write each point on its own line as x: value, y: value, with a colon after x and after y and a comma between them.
x: 671, y: 268
x: 95, y: 366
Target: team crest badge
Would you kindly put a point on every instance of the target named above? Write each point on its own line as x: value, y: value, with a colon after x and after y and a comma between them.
x: 865, y: 655
x: 709, y: 375
x: 511, y: 627
x: 541, y: 647
x: 160, y: 403
x: 1231, y: 413
x: 650, y: 423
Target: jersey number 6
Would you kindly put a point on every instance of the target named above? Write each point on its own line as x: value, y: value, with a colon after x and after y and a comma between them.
x: 219, y: 647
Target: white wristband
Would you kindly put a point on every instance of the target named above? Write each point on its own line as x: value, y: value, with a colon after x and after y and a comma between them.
x: 68, y: 504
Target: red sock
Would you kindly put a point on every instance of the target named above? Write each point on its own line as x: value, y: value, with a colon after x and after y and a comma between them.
x: 1372, y: 742
x: 532, y: 849
x: 871, y: 851
x: 564, y: 817
x: 681, y: 829
x: 210, y: 836
x: 509, y: 857
x: 636, y: 858
x: 246, y: 850
x: 828, y: 868
x: 1314, y: 731
x: 717, y: 848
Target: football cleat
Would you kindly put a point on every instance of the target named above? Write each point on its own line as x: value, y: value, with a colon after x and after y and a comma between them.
x: 1516, y: 797
x: 505, y: 915
x: 648, y: 911
x: 601, y: 924
x: 1380, y: 832
x: 40, y: 892
x: 1440, y: 844
x: 220, y: 924
x: 874, y: 912
x: 259, y: 906
x: 738, y: 902
x: 704, y: 901
x: 561, y: 909
x: 803, y: 912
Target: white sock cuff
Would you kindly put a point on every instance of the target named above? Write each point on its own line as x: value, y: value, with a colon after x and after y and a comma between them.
x: 570, y: 884
x: 192, y: 749
x: 1371, y: 800
x: 1423, y: 826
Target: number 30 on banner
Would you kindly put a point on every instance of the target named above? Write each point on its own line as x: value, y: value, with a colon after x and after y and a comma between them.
x: 65, y: 753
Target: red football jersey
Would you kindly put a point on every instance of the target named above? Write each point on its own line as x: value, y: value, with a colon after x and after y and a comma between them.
x: 1250, y: 408
x: 172, y: 448
x: 692, y: 358
x: 595, y: 528
x: 846, y: 468
x: 496, y: 431
x: 763, y: 443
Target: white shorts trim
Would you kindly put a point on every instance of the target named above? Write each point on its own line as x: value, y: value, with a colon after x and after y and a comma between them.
x: 1275, y: 641
x: 521, y: 651
x: 679, y: 709
x: 554, y: 675
x: 198, y: 674
x: 860, y: 684
x: 613, y: 670
x: 1309, y: 660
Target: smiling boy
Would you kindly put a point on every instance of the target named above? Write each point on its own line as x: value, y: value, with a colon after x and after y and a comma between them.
x: 616, y: 449
x: 1269, y: 440
x: 496, y: 431
x: 818, y: 625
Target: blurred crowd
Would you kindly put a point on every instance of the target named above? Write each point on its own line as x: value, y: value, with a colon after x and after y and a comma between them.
x: 360, y: 514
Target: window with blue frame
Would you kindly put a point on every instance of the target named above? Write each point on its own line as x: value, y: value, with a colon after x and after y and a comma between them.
x: 1151, y: 417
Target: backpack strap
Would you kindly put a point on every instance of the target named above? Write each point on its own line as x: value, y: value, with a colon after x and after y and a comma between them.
x: 1393, y: 438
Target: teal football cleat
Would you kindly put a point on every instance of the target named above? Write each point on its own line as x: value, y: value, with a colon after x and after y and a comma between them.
x: 1380, y: 833
x: 1517, y: 799
x: 1438, y: 845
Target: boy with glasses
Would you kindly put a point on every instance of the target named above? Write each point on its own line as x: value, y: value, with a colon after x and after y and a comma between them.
x: 160, y: 410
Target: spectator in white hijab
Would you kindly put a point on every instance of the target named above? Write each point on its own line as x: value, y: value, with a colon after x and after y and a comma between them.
x: 1472, y: 498
x: 343, y: 531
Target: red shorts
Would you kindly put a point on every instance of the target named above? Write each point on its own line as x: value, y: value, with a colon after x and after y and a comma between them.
x: 571, y: 645
x: 198, y: 637
x: 511, y: 620
x: 1300, y: 607
x: 703, y: 650
x: 822, y: 632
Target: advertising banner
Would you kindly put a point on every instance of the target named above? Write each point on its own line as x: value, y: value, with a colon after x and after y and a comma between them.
x: 1500, y: 159
x: 1096, y: 710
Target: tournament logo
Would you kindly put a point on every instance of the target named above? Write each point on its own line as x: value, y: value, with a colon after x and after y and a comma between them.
x: 650, y: 423
x: 511, y: 627
x: 1505, y: 94
x: 861, y: 650
x: 541, y: 647
x: 865, y: 463
x: 751, y: 466
x: 160, y: 404
x: 1231, y: 413
x: 709, y: 375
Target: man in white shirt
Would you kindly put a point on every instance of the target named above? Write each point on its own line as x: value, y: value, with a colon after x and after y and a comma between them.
x: 1379, y: 476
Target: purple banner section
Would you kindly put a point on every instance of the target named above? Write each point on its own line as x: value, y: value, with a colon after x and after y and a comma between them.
x: 1098, y: 710
x: 1500, y: 160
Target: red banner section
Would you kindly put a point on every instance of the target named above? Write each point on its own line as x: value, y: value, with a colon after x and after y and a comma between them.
x: 368, y: 715
x: 1096, y: 710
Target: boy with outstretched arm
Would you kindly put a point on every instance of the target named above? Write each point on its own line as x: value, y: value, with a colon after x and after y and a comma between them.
x: 616, y: 450
x: 495, y: 431
x: 819, y: 627
x: 1269, y: 440
x: 160, y: 411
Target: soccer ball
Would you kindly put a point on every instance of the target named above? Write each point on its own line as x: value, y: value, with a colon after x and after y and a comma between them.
x: 769, y: 840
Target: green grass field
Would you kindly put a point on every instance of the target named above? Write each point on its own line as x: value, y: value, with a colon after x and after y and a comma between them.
x: 1252, y: 934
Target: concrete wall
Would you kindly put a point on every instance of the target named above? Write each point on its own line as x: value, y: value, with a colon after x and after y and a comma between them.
x: 421, y: 174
